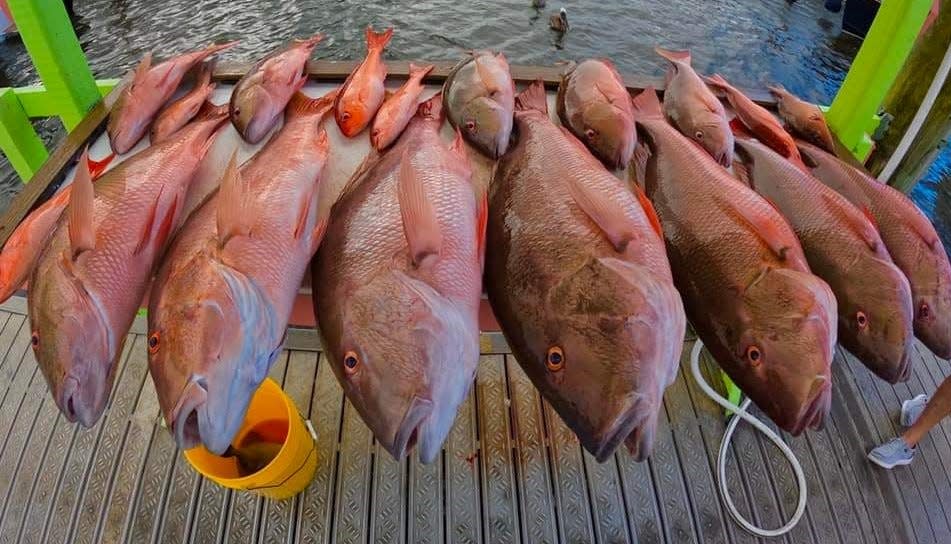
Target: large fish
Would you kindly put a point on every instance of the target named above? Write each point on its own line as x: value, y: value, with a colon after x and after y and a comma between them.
x: 397, y: 283
x: 397, y: 111
x: 479, y: 97
x: 87, y: 286
x: 27, y: 242
x: 577, y: 276
x: 694, y: 110
x: 222, y: 298
x: 180, y: 112
x: 910, y: 238
x: 758, y: 120
x: 595, y: 106
x: 149, y: 90
x: 843, y: 248
x: 259, y: 97
x: 803, y: 119
x: 363, y: 93
x: 748, y: 291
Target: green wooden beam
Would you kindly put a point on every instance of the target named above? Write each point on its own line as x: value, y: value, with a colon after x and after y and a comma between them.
x: 37, y: 101
x: 18, y: 139
x: 48, y: 35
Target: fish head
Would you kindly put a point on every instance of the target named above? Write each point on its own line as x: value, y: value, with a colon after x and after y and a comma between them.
x: 209, y: 351
x: 784, y: 346
x: 609, y: 133
x: 400, y: 357
x: 816, y: 130
x: 253, y: 113
x: 602, y: 347
x: 74, y: 346
x: 711, y: 131
x: 876, y: 319
x: 932, y: 307
x: 487, y: 124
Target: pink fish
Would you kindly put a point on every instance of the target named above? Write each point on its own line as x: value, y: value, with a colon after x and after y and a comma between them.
x: 180, y: 112
x: 363, y: 93
x: 398, y: 109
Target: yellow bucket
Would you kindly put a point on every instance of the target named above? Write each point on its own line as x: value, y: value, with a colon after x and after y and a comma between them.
x: 273, y: 416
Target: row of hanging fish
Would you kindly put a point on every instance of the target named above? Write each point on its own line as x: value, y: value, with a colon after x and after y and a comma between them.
x: 772, y: 247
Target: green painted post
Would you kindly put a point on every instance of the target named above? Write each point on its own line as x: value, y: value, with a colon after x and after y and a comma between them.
x: 18, y: 140
x: 48, y: 36
x: 37, y: 101
x: 873, y: 71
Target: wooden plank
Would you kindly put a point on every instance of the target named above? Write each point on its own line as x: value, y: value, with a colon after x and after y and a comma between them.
x: 105, y: 459
x: 537, y: 509
x: 463, y: 509
x: 499, y: 507
x: 316, y: 513
x: 298, y: 385
x: 425, y: 502
x: 353, y: 481
x: 388, y: 507
x: 572, y: 502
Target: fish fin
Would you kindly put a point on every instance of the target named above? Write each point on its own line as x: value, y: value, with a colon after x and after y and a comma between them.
x: 638, y: 167
x: 868, y: 215
x: 164, y: 229
x: 604, y: 212
x: 860, y: 223
x: 458, y: 147
x: 649, y: 210
x: 485, y: 76
x: 205, y: 73
x: 217, y: 48
x: 420, y: 225
x: 305, y: 206
x: 317, y: 234
x: 682, y: 57
x: 763, y: 227
x: 533, y: 98
x: 378, y: 40
x: 718, y: 82
x: 210, y: 110
x: 777, y: 90
x: 742, y: 173
x: 739, y: 129
x: 301, y: 105
x: 310, y: 42
x: 82, y: 231
x: 234, y: 204
x: 141, y: 70
x: 922, y: 227
x: 97, y: 168
x: 482, y: 225
x: 420, y: 72
x: 432, y: 108
x: 156, y: 227
x: 647, y: 105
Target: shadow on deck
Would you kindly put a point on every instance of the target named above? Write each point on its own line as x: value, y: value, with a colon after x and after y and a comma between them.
x: 511, y: 470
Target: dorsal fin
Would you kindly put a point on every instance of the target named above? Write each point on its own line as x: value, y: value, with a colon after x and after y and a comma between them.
x: 532, y: 98
x: 604, y: 212
x: 82, y: 231
x: 781, y: 242
x: 235, y: 216
x: 420, y: 224
x: 142, y: 69
x: 649, y: 210
x: 854, y: 218
x: 485, y: 75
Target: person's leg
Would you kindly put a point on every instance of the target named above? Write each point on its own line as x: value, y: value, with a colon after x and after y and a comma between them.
x: 938, y: 407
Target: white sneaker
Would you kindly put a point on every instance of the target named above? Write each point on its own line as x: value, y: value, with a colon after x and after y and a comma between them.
x: 893, y: 453
x: 911, y: 410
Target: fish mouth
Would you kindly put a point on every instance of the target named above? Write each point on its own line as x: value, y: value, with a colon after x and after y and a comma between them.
x: 408, y: 432
x: 724, y: 159
x: 184, y: 423
x: 813, y: 415
x: 71, y: 405
x: 628, y: 425
x: 904, y: 367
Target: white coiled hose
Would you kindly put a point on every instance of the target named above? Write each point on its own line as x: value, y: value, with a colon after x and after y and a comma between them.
x: 741, y: 413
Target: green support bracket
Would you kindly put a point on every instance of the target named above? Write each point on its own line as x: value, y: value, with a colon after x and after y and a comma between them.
x: 37, y: 101
x: 48, y: 35
x: 18, y: 139
x: 887, y: 45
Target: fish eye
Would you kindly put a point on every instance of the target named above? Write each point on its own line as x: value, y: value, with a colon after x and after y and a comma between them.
x: 154, y: 342
x: 924, y: 310
x: 698, y: 135
x: 753, y: 355
x: 345, y: 115
x: 861, y: 319
x: 590, y: 133
x: 470, y: 125
x: 350, y: 362
x: 555, y: 360
x: 35, y: 339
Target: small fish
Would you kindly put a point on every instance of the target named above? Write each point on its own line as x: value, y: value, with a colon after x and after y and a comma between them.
x: 149, y: 90
x: 595, y: 105
x: 803, y: 119
x: 362, y: 93
x: 479, y: 97
x: 693, y: 110
x: 759, y: 121
x: 398, y: 109
x: 260, y: 96
x: 179, y: 113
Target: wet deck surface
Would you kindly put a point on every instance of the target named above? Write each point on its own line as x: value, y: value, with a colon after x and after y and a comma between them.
x: 511, y: 471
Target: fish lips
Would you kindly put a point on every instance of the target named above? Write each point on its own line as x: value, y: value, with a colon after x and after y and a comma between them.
x: 71, y: 403
x: 634, y: 425
x: 411, y: 430
x: 815, y: 410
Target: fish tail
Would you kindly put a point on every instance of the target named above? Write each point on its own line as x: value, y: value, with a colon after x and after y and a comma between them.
x: 217, y: 48
x: 378, y: 40
x: 96, y: 168
x: 716, y: 81
x: 533, y: 98
x: 419, y: 72
x: 647, y: 105
x: 210, y: 110
x: 302, y: 105
x: 682, y: 57
x: 312, y: 41
x: 432, y: 108
x: 204, y: 76
x: 777, y: 90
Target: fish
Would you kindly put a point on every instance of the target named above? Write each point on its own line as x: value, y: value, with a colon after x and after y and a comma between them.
x: 758, y: 121
x: 692, y: 108
x: 748, y: 291
x: 578, y: 278
x: 803, y: 119
x: 397, y: 285
x: 843, y: 248
x: 221, y: 301
x: 27, y: 242
x: 595, y: 106
x: 910, y: 237
x: 479, y: 99
x: 398, y: 109
x: 179, y: 113
x: 151, y: 87
x: 88, y: 284
x: 260, y: 96
x: 362, y: 93
x: 208, y: 175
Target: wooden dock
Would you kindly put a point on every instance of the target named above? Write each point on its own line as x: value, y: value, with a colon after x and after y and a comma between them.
x: 511, y: 471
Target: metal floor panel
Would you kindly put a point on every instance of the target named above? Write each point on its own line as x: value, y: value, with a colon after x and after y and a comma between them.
x: 511, y: 471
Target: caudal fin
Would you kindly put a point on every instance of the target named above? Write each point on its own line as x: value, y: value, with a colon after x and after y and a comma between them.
x: 419, y: 72
x: 777, y: 90
x: 204, y: 76
x: 310, y: 42
x: 533, y: 98
x: 302, y: 105
x: 378, y: 40
x: 217, y: 48
x: 432, y: 108
x: 97, y: 168
x: 210, y: 110
x: 717, y: 82
x: 674, y: 56
x: 647, y: 105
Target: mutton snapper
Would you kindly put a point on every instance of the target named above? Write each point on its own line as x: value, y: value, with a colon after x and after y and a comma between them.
x: 478, y: 97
